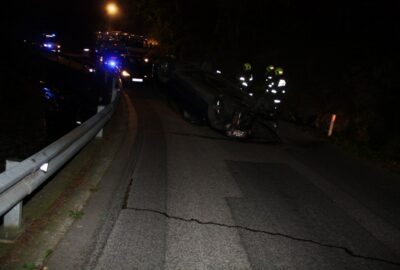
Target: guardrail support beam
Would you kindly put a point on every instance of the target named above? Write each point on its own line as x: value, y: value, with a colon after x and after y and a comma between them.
x: 13, y: 218
x: 100, y: 133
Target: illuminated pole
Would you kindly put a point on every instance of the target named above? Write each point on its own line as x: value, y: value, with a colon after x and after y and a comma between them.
x: 332, y: 124
x: 113, y: 11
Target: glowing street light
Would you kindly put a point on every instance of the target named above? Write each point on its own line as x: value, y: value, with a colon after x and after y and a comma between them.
x: 112, y: 9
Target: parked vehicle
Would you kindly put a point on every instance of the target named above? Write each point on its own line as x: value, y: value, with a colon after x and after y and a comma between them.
x: 125, y: 54
x: 50, y: 43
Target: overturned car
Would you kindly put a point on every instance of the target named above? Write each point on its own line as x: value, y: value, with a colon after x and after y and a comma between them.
x: 209, y: 96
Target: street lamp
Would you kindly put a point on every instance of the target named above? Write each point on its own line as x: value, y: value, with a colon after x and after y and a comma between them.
x: 112, y: 9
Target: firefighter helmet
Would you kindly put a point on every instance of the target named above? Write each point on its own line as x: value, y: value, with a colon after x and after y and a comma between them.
x: 279, y: 71
x: 247, y: 66
x: 270, y: 68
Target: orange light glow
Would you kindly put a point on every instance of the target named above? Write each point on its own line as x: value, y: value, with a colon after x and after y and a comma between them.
x: 112, y: 9
x: 332, y: 124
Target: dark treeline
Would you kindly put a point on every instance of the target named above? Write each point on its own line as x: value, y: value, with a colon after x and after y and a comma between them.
x: 257, y: 24
x: 340, y: 56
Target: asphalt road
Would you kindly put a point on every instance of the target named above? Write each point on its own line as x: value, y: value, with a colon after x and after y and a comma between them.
x: 198, y: 200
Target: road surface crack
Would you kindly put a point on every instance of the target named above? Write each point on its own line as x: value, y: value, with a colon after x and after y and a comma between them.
x: 193, y: 220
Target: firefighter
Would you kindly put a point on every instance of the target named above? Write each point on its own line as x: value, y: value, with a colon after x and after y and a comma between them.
x: 269, y: 74
x: 275, y: 86
x: 246, y: 79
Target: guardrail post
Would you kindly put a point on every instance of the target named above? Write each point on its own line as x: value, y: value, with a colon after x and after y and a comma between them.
x: 100, y: 133
x: 13, y: 218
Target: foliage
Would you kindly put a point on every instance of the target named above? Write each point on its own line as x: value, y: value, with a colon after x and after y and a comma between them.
x: 30, y: 266
x: 48, y: 253
x: 76, y: 214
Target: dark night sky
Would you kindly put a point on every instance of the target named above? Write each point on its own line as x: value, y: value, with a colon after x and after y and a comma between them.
x: 49, y: 14
x: 73, y: 21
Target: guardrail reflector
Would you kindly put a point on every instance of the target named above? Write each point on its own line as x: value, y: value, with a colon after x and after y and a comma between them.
x: 44, y: 167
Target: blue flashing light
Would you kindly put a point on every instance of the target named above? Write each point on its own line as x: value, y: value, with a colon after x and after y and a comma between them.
x: 112, y: 63
x: 48, y: 94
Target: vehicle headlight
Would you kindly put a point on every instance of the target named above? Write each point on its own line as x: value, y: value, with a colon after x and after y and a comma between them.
x: 125, y: 73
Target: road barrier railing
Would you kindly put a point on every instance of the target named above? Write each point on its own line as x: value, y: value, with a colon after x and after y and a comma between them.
x: 23, y: 178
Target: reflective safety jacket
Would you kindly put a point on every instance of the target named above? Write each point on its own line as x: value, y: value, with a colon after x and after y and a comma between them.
x: 245, y: 80
x: 275, y: 89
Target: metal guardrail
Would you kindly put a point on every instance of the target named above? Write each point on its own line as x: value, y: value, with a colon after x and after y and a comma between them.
x: 21, y: 180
